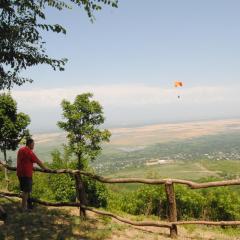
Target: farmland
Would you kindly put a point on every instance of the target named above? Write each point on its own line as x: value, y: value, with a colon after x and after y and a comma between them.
x: 190, y: 150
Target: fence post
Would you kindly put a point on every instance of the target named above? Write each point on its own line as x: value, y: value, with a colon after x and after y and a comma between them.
x: 172, y: 214
x: 81, y: 194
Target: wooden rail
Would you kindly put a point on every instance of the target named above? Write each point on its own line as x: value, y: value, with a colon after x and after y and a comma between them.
x: 76, y: 204
x: 169, y: 188
x: 191, y: 184
x: 121, y: 219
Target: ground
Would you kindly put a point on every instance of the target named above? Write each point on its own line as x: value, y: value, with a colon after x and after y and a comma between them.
x: 55, y: 223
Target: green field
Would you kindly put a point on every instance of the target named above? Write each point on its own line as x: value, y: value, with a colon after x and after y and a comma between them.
x: 183, y: 170
x: 228, y: 168
x: 191, y: 150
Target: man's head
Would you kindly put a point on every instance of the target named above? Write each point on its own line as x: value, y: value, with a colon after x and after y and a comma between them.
x: 30, y: 143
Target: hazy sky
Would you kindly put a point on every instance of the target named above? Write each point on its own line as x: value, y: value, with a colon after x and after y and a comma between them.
x: 130, y: 56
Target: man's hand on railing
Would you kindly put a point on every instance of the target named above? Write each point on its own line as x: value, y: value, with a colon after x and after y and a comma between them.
x: 42, y: 169
x: 41, y: 165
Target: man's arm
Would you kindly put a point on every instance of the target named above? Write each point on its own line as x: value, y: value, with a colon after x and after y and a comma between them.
x: 35, y: 159
x: 40, y: 164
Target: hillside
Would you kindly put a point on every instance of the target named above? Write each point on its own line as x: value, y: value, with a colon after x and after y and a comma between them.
x: 185, y: 151
x: 64, y: 223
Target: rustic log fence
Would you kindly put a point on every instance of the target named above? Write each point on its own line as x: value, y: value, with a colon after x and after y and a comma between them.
x: 169, y: 188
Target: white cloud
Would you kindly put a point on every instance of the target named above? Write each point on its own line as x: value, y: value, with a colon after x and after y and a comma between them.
x: 121, y: 95
x: 130, y: 104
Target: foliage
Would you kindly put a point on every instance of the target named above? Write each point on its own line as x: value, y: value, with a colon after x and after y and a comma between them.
x: 63, y: 186
x: 97, y: 193
x: 190, y: 204
x: 220, y: 204
x: 41, y: 189
x: 13, y: 125
x: 22, y: 24
x: 83, y: 118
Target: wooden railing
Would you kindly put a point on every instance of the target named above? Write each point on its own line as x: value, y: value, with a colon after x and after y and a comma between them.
x: 169, y: 188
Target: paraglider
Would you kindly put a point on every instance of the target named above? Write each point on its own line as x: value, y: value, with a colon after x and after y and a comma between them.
x: 178, y: 84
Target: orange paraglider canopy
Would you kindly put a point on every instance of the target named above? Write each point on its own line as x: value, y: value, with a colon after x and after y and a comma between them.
x: 178, y: 84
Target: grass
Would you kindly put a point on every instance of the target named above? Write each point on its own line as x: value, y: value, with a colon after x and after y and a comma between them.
x: 55, y: 223
x: 182, y: 170
x: 216, y: 233
x: 224, y: 166
x: 63, y: 223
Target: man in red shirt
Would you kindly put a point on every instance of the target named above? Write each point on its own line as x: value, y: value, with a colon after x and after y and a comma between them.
x: 25, y: 160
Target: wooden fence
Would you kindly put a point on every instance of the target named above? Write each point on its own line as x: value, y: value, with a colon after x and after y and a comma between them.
x: 169, y: 188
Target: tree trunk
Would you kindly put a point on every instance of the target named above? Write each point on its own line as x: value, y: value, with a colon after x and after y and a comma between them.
x: 80, y: 165
x: 81, y: 194
x: 80, y: 189
x: 5, y: 169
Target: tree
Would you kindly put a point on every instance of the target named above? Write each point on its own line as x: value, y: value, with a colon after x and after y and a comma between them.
x: 13, y: 125
x: 21, y: 26
x: 83, y: 118
x: 63, y: 187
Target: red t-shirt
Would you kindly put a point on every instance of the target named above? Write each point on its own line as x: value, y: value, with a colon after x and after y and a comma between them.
x: 25, y: 160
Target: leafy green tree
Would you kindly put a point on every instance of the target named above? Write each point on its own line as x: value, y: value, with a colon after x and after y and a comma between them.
x: 83, y: 118
x: 22, y: 24
x: 13, y: 125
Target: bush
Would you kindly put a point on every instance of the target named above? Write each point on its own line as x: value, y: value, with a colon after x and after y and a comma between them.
x: 147, y: 200
x: 63, y: 185
x: 190, y: 203
x: 97, y: 193
x: 219, y: 204
x: 222, y: 204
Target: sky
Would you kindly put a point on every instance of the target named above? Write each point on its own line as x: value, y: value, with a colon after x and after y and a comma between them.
x: 130, y: 57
